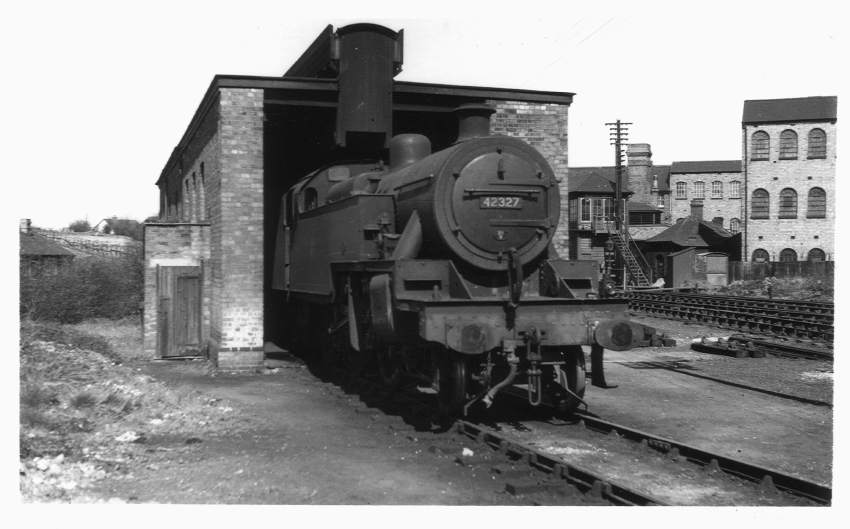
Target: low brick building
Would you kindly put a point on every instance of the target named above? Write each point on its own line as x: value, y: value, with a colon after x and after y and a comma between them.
x: 789, y: 153
x: 208, y: 256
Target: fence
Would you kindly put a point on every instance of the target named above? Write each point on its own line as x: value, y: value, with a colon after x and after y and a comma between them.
x: 103, y: 248
x: 739, y: 271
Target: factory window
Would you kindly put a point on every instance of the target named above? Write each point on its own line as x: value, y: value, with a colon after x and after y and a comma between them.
x: 788, y: 204
x: 817, y: 204
x: 788, y: 145
x: 760, y: 146
x: 681, y: 190
x: 816, y: 255
x: 717, y: 189
x: 787, y: 256
x: 734, y: 189
x: 761, y: 256
x: 699, y: 189
x: 817, y: 143
x: 735, y: 225
x: 760, y: 205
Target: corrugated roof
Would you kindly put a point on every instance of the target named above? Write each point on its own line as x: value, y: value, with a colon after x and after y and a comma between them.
x: 820, y: 108
x: 708, y: 166
x: 32, y: 244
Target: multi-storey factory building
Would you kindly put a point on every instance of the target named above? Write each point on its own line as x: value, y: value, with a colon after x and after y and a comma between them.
x: 789, y: 169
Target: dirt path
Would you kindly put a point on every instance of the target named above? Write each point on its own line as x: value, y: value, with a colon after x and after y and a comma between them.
x: 304, y: 442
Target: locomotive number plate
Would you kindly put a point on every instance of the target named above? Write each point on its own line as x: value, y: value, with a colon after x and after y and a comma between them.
x: 500, y: 203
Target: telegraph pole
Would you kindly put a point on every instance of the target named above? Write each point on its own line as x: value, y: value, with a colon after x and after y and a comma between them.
x: 619, y: 134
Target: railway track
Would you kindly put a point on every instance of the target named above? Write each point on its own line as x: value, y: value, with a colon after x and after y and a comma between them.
x: 807, y: 320
x: 531, y: 472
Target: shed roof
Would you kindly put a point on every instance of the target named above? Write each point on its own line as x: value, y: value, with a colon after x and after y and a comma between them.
x: 692, y: 232
x: 35, y: 245
x: 819, y: 108
x: 708, y: 166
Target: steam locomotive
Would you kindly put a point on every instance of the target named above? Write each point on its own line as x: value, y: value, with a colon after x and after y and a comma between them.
x: 438, y: 268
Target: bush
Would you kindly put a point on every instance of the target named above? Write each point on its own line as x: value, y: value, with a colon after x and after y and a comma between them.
x: 128, y: 227
x: 80, y: 226
x: 89, y: 288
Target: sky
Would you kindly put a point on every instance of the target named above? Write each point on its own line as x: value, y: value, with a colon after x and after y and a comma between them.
x: 101, y: 92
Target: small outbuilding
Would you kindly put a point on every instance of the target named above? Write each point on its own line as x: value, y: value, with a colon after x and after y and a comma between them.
x: 39, y: 255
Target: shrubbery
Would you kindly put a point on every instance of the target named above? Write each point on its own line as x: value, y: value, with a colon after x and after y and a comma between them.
x: 80, y: 226
x: 88, y: 288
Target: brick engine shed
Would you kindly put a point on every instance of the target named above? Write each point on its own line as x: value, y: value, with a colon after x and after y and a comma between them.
x: 208, y: 256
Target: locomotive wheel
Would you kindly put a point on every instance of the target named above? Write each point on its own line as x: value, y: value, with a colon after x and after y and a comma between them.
x: 573, y: 378
x: 389, y: 365
x: 452, y: 391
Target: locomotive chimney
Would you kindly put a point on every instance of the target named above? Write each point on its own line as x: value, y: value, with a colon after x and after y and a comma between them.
x: 473, y: 120
x: 406, y: 149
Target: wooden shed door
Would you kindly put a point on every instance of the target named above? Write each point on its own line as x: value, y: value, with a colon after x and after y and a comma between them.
x: 179, y: 322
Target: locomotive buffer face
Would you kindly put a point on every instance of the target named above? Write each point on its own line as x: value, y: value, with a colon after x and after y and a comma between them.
x: 438, y: 268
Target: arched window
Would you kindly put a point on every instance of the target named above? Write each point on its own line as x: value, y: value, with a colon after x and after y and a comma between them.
x: 681, y: 190
x: 817, y: 204
x: 311, y: 199
x: 735, y: 225
x: 761, y: 204
x: 788, y: 145
x: 816, y: 255
x: 761, y: 256
x: 717, y: 189
x: 699, y: 189
x: 787, y: 256
x: 735, y: 189
x: 760, y: 148
x: 787, y: 204
x: 202, y: 196
x: 187, y: 202
x: 817, y: 143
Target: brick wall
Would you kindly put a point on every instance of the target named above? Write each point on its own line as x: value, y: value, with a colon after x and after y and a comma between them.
x: 801, y: 234
x: 724, y: 206
x: 173, y: 245
x: 236, y: 214
x: 544, y: 127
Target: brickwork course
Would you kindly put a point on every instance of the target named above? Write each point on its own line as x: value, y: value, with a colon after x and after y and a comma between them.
x: 544, y: 127
x: 801, y: 172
